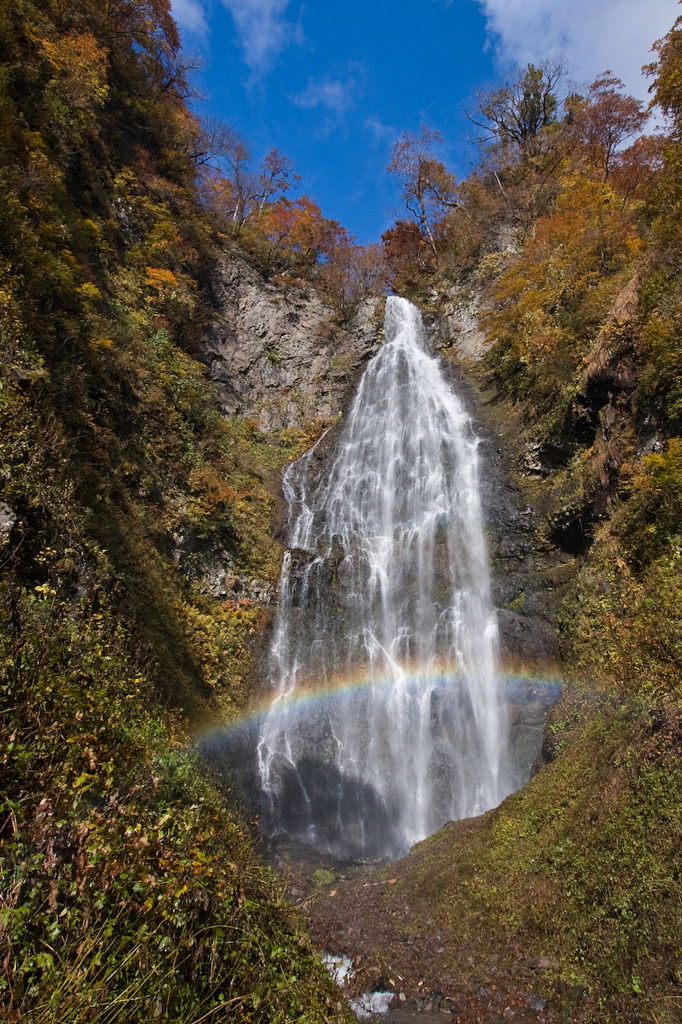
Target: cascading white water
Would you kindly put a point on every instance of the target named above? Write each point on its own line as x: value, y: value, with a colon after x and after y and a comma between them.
x: 385, y: 584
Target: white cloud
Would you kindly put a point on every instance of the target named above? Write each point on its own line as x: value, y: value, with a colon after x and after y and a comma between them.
x: 381, y: 132
x: 262, y: 29
x: 592, y: 34
x: 190, y: 16
x: 327, y: 92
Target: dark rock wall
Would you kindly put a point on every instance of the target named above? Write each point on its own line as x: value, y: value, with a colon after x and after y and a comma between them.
x: 527, y: 571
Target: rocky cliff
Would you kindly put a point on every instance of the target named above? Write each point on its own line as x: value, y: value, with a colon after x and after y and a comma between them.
x: 280, y: 353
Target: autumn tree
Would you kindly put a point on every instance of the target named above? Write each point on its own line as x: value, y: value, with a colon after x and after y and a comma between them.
x: 461, y: 233
x: 352, y: 272
x: 80, y: 68
x: 666, y: 71
x: 519, y: 113
x: 603, y: 121
x: 274, y: 175
x: 368, y: 270
x: 519, y: 134
x: 284, y: 235
x: 407, y: 255
x: 427, y: 187
x: 550, y: 302
x: 142, y: 39
x: 294, y: 234
x: 637, y: 168
x: 661, y: 343
x: 234, y: 188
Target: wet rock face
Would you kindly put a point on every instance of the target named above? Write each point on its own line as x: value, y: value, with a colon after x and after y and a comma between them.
x: 459, y: 325
x: 7, y: 521
x: 280, y: 353
x: 524, y: 570
x: 528, y: 704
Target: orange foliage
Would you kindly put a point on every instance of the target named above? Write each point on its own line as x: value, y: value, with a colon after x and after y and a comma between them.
x: 407, y: 254
x: 212, y: 490
x: 297, y: 227
x: 428, y: 188
x: 667, y: 72
x: 164, y: 281
x: 601, y: 122
x: 552, y: 288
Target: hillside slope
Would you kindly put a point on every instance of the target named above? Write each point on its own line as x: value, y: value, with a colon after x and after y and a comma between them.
x: 130, y: 887
x: 557, y: 281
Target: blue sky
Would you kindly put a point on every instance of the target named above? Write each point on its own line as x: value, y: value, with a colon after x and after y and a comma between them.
x: 332, y: 85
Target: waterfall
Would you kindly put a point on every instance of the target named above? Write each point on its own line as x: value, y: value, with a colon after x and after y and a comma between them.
x: 386, y: 719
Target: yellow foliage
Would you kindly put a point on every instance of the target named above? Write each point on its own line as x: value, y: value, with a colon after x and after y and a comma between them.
x: 90, y: 291
x: 82, y: 67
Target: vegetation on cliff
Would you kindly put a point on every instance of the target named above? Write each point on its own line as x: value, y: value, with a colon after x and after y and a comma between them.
x: 569, y: 234
x: 130, y: 889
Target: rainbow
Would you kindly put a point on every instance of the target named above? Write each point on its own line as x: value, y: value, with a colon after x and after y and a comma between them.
x: 313, y: 691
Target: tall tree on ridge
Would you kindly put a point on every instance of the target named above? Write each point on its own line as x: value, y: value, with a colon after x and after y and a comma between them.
x: 518, y: 114
x: 428, y: 188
